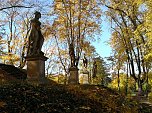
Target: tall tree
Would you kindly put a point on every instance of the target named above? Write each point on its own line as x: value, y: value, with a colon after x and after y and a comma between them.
x: 102, y: 72
x: 126, y: 17
x: 15, y: 23
x: 75, y: 21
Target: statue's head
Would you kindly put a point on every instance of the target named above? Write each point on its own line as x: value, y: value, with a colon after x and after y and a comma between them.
x: 84, y: 55
x: 37, y: 14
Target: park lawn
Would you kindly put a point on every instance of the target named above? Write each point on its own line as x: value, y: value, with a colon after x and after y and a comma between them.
x: 55, y: 98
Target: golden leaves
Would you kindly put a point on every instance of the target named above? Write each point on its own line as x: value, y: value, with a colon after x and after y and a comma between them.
x: 10, y: 56
x: 2, y: 104
x: 78, y: 15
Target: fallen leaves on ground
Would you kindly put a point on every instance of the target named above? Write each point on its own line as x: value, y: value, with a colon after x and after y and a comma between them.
x: 54, y: 98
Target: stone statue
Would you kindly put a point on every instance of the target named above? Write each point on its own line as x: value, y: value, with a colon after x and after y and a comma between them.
x: 72, y: 55
x: 94, y: 70
x: 36, y: 38
x: 85, y: 62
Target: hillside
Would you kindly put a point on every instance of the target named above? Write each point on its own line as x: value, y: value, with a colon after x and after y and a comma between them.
x: 9, y: 72
x: 54, y: 98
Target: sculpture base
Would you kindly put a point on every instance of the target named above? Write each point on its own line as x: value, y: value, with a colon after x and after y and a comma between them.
x: 73, y: 78
x: 84, y: 77
x: 85, y: 71
x: 36, y: 69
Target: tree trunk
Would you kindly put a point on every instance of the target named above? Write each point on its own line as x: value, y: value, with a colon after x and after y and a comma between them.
x: 140, y: 89
x: 118, y: 81
x: 126, y: 87
x: 65, y: 79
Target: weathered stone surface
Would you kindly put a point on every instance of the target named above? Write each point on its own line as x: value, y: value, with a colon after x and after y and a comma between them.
x: 84, y: 77
x: 36, y: 38
x: 73, y: 78
x: 36, y: 69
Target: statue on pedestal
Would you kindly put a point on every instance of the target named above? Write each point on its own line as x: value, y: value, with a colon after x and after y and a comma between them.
x: 36, y: 38
x: 73, y: 70
x: 35, y: 57
x: 84, y: 74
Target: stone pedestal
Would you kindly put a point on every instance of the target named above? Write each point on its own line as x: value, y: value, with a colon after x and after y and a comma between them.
x: 73, y: 78
x: 84, y: 77
x: 36, y: 69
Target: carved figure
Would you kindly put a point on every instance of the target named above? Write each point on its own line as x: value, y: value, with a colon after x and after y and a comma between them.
x: 85, y: 62
x: 72, y: 55
x: 36, y: 38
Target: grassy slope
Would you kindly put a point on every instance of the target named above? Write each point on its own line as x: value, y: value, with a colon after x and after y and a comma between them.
x: 54, y: 98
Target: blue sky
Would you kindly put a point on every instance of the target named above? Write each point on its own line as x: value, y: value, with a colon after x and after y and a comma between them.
x: 102, y: 47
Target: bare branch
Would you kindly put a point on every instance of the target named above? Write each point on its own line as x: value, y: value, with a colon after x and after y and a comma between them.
x: 18, y: 6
